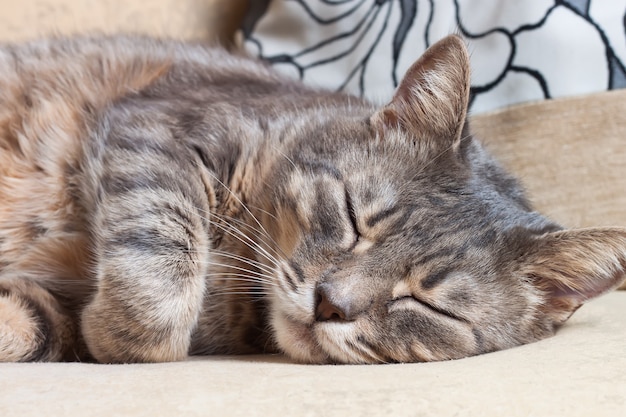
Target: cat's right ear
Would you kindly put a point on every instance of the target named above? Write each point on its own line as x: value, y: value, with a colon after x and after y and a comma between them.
x: 432, y: 99
x: 570, y: 267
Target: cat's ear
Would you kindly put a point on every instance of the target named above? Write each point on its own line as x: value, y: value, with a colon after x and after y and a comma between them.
x: 573, y: 266
x: 431, y: 101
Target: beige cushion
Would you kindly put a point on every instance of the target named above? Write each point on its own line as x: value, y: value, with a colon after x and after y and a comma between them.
x: 569, y: 153
x: 579, y: 372
x: 184, y: 19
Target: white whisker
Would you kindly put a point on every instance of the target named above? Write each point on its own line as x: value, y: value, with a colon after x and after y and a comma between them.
x: 252, y: 294
x: 257, y: 278
x: 242, y: 278
x: 251, y: 243
x: 253, y: 263
x: 264, y: 211
x: 225, y: 275
x: 238, y: 269
x: 277, y: 149
x: 232, y: 230
x: 239, y: 200
x: 259, y: 233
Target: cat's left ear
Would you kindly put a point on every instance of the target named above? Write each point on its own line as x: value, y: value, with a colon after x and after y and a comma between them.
x: 432, y: 99
x: 572, y: 266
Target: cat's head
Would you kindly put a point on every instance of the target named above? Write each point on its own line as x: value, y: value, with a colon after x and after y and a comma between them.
x: 398, y: 239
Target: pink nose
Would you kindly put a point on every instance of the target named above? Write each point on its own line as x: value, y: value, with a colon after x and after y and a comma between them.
x: 325, y: 310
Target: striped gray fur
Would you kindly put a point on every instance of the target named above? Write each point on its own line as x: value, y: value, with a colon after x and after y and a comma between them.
x: 160, y: 199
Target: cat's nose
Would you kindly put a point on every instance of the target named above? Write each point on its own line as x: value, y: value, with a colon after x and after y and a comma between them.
x: 326, y: 310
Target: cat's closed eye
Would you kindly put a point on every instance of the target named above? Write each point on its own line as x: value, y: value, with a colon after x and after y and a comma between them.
x: 353, y: 218
x: 412, y: 301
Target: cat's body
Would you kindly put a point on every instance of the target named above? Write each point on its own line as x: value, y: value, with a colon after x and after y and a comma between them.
x: 159, y: 199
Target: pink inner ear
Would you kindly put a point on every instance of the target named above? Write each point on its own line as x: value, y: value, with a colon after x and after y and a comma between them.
x: 560, y: 291
x: 573, y: 266
x: 560, y: 301
x: 588, y: 288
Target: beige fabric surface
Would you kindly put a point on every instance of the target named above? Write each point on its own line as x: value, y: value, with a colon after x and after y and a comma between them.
x: 569, y: 153
x: 579, y: 372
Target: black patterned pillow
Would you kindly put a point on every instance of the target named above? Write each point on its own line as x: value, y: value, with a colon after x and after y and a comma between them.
x: 521, y: 50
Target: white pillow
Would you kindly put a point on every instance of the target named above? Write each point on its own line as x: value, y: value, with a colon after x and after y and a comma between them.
x: 521, y: 50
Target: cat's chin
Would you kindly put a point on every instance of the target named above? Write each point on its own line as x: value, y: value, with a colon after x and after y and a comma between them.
x: 298, y: 341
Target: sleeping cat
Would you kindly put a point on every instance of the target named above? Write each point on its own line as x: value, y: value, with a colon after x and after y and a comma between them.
x: 161, y: 199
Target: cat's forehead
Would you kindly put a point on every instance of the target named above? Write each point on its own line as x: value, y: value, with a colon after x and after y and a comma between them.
x: 396, y: 190
x: 374, y: 188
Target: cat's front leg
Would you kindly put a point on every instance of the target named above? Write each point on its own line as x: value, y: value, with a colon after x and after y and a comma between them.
x: 151, y: 244
x: 150, y: 271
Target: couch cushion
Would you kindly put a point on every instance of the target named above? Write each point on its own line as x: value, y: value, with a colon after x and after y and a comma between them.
x: 569, y: 153
x: 578, y: 372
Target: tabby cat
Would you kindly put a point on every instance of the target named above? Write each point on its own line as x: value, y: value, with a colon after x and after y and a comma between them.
x: 161, y: 199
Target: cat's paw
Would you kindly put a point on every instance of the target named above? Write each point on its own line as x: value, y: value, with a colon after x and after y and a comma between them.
x: 33, y: 326
x: 18, y: 330
x: 113, y: 336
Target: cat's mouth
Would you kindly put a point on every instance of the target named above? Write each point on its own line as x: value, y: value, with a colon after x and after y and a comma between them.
x: 298, y: 340
x: 318, y: 343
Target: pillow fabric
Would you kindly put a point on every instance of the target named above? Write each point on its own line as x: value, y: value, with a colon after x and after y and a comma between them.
x: 521, y: 50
